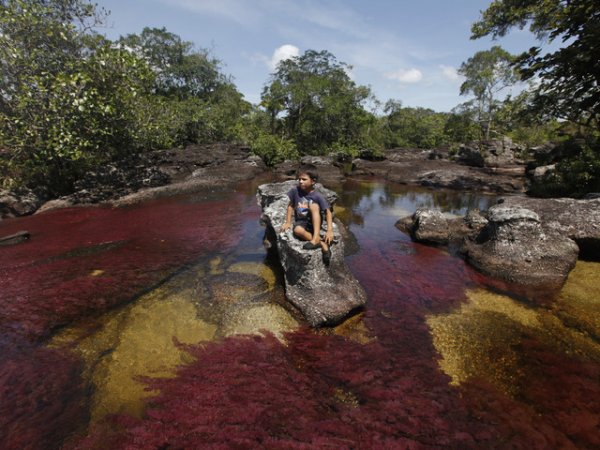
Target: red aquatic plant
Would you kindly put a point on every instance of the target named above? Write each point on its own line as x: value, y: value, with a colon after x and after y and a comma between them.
x: 41, y: 396
x: 86, y: 261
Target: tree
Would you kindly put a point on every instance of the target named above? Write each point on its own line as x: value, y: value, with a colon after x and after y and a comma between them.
x: 200, y: 103
x: 181, y: 70
x: 312, y: 100
x: 66, y: 95
x: 413, y: 127
x: 569, y: 86
x: 487, y: 73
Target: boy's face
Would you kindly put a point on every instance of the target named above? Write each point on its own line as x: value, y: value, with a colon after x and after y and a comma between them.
x: 305, y: 182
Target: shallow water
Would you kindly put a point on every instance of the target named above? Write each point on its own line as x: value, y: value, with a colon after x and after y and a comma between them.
x: 163, y: 325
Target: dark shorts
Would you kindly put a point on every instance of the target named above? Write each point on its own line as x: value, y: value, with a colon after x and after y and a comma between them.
x: 304, y: 223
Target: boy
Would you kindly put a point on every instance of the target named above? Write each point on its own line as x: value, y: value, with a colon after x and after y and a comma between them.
x: 307, y: 204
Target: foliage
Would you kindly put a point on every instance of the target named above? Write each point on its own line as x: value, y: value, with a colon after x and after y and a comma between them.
x: 181, y: 71
x: 568, y: 77
x: 67, y: 101
x: 201, y: 104
x: 312, y: 100
x: 487, y: 73
x: 461, y: 125
x: 413, y: 127
x: 71, y: 99
x: 273, y: 149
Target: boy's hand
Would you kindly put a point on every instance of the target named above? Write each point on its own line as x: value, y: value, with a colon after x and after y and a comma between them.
x: 285, y: 226
x: 328, y: 237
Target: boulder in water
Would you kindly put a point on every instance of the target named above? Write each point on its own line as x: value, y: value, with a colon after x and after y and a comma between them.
x: 325, y: 294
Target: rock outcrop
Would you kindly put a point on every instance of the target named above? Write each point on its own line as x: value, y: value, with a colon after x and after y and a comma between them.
x: 433, y: 227
x: 416, y: 167
x: 578, y: 219
x: 16, y: 238
x: 492, y: 153
x: 511, y: 243
x: 19, y: 202
x: 325, y: 295
x: 515, y: 246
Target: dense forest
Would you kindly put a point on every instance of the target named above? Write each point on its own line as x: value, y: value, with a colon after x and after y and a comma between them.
x: 71, y: 99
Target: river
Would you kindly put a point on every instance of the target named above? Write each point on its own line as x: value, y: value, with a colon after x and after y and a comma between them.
x: 164, y: 325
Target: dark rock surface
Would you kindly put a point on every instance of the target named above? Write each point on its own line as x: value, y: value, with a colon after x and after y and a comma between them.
x: 509, y: 242
x: 163, y: 172
x: 16, y: 238
x: 492, y: 153
x: 416, y: 167
x: 433, y: 227
x: 515, y: 246
x: 19, y: 202
x: 577, y: 219
x: 324, y: 294
x: 330, y: 170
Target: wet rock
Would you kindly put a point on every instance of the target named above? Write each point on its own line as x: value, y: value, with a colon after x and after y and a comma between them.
x: 324, y: 294
x: 16, y: 238
x: 328, y: 168
x: 516, y: 247
x: 434, y: 227
x: 413, y: 167
x: 577, y: 219
x: 492, y: 153
x: 18, y: 202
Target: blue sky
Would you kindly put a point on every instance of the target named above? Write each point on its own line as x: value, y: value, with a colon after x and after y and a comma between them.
x: 406, y: 50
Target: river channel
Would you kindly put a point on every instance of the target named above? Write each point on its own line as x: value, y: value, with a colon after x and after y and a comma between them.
x: 164, y: 325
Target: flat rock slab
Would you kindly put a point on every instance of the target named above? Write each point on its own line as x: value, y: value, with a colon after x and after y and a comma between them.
x: 20, y: 236
x: 324, y: 294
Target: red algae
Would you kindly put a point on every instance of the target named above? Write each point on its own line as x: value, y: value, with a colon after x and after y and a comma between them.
x: 84, y: 261
x: 41, y: 396
x: 319, y: 389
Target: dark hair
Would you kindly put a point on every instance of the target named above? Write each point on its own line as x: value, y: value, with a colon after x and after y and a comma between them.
x: 308, y: 169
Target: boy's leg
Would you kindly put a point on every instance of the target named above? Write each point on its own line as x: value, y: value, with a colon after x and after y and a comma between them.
x: 315, y: 214
x: 301, y: 233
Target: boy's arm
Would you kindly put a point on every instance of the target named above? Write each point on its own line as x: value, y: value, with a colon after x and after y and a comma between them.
x: 329, y: 219
x: 288, y: 217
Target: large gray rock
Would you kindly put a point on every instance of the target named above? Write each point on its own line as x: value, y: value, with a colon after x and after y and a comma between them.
x: 515, y: 246
x: 19, y: 202
x: 434, y: 227
x: 324, y: 294
x: 579, y: 219
x: 492, y: 153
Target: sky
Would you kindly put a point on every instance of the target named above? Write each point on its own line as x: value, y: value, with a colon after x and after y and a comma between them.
x: 406, y: 50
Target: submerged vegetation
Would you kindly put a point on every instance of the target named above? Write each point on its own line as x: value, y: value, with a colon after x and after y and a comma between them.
x: 71, y: 99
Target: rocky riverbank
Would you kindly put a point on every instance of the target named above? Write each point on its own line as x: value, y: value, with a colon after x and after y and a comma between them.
x: 491, y: 168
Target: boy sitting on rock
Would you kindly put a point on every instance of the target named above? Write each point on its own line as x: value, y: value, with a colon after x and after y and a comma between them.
x: 307, y: 205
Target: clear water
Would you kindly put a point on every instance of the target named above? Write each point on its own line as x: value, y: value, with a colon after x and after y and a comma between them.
x: 162, y: 325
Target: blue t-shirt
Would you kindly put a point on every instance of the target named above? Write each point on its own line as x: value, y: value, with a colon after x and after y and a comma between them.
x: 301, y: 202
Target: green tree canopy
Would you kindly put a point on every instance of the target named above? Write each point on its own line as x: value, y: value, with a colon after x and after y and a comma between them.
x: 569, y: 77
x: 66, y: 95
x: 181, y: 70
x: 487, y: 73
x: 312, y: 100
x: 413, y: 127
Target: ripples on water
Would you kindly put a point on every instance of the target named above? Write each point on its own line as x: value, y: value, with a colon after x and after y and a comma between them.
x: 162, y: 325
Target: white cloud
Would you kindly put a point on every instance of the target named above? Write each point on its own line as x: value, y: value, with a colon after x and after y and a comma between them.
x: 282, y: 53
x: 405, y: 76
x: 450, y: 73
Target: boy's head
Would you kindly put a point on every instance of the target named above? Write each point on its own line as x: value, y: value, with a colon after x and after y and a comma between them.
x: 310, y: 170
x: 307, y: 176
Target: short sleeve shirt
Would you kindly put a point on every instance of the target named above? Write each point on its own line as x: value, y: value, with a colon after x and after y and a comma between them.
x: 301, y: 202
